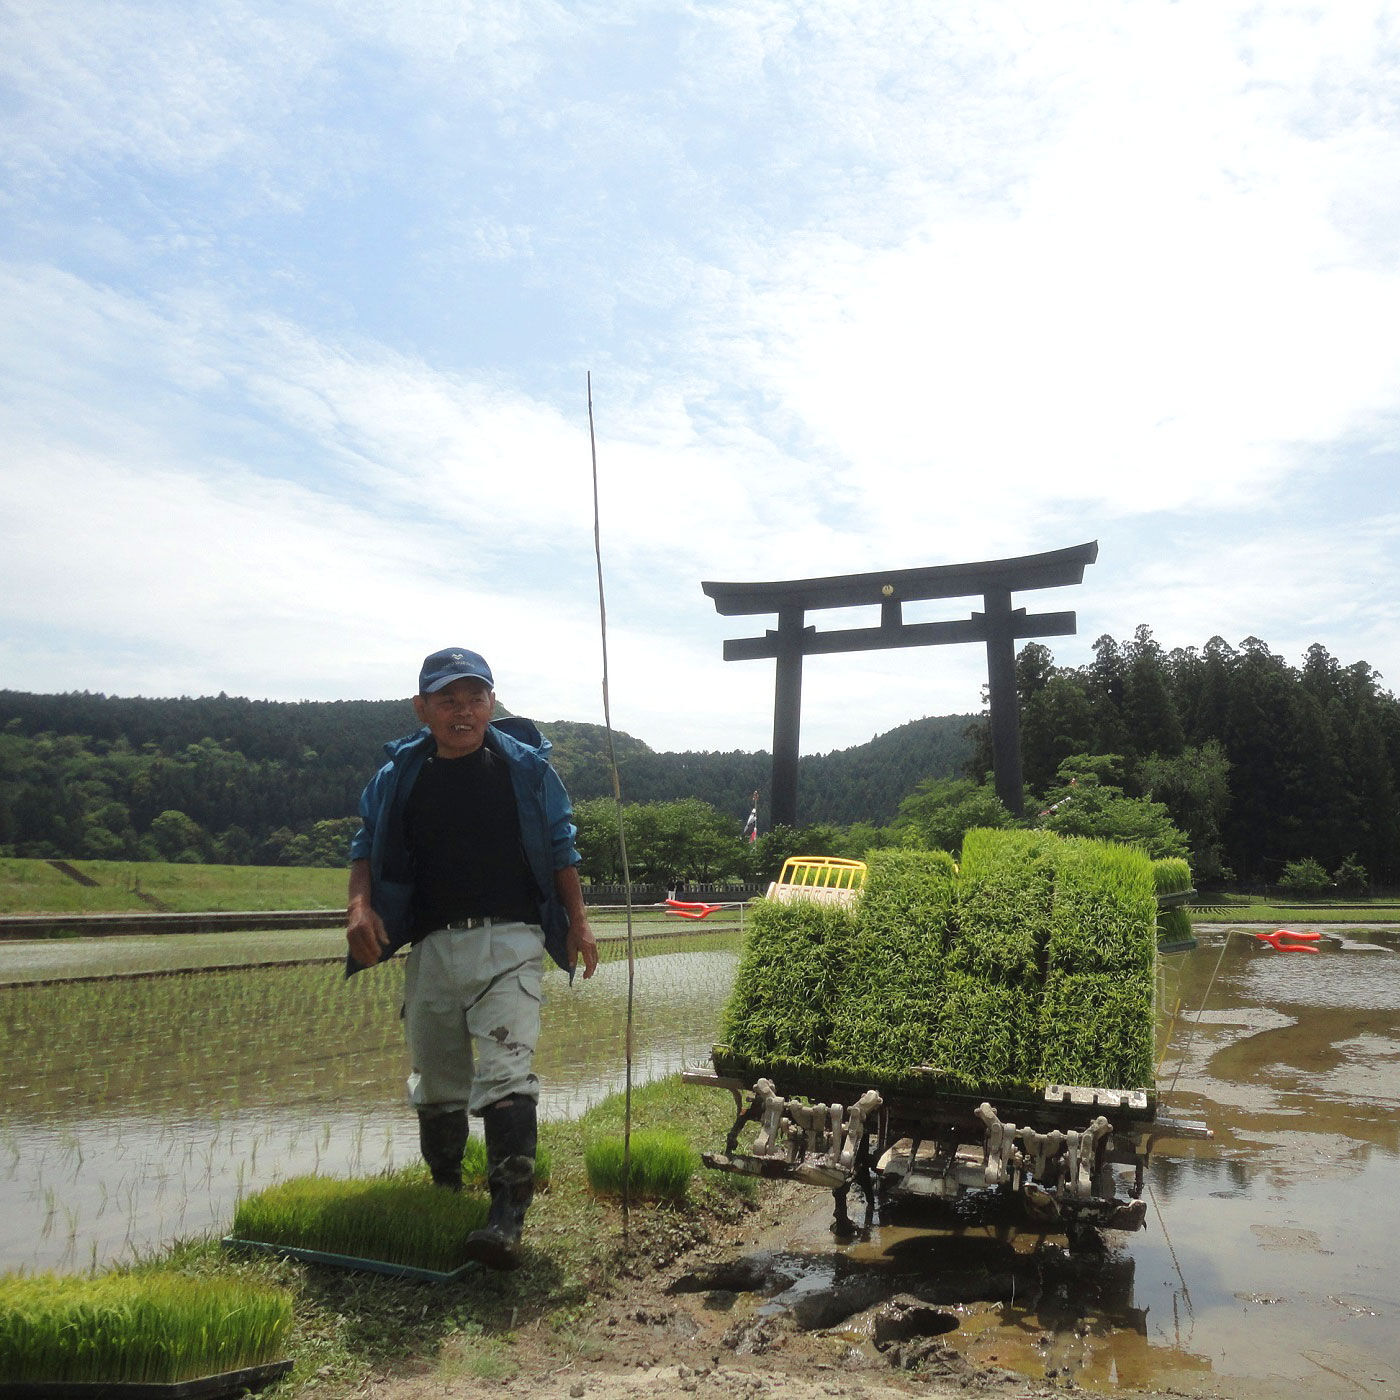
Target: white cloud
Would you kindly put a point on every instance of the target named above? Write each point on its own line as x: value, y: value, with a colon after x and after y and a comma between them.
x: 298, y: 303
x: 175, y: 87
x: 1288, y: 581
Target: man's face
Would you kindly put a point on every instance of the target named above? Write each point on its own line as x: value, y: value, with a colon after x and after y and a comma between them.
x: 457, y: 715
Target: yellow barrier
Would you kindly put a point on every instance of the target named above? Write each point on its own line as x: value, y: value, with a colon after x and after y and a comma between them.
x: 823, y: 878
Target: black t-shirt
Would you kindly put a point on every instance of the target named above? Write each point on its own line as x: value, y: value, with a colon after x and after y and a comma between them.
x: 463, y: 834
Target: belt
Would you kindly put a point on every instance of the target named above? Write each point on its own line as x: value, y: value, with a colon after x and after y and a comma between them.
x: 474, y: 923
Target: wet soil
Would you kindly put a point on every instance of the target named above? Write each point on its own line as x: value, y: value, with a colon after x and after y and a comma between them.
x: 742, y: 1317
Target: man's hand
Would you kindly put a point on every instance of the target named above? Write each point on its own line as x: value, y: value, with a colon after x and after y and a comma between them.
x: 364, y: 929
x: 581, y: 942
x: 364, y: 932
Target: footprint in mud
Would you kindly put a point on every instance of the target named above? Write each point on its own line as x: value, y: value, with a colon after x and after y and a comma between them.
x: 818, y: 1292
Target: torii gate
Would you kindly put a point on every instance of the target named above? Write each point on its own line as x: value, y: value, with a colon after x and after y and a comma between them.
x: 999, y: 625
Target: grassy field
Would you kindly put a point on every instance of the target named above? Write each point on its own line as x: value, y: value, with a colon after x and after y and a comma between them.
x: 1246, y: 909
x: 38, y: 887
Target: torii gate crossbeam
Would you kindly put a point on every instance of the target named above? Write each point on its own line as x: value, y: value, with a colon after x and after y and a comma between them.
x: 998, y: 625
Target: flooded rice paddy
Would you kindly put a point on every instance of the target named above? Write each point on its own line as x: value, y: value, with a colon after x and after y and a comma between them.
x: 128, y: 955
x: 136, y: 1109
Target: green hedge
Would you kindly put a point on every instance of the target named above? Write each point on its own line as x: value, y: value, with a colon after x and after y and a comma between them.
x: 887, y: 1009
x: 1030, y: 962
x: 791, y: 972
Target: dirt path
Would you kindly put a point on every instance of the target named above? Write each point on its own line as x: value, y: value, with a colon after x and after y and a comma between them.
x: 719, y: 1383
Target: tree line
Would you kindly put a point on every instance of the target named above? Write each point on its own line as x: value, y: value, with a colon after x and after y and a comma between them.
x: 264, y: 782
x: 1255, y: 769
x: 1260, y: 763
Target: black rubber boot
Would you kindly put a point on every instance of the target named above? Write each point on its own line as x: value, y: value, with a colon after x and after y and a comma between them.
x: 442, y: 1139
x: 510, y: 1173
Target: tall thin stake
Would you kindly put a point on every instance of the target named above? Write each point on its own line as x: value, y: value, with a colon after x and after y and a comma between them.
x: 1200, y: 1011
x: 621, y: 835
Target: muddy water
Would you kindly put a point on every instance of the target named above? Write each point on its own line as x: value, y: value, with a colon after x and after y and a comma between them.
x: 135, y: 1110
x: 1268, y: 1264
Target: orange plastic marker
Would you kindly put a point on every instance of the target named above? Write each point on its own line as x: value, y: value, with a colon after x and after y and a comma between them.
x: 689, y: 910
x: 1305, y: 942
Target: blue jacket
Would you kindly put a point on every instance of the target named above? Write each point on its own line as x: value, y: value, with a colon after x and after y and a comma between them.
x: 546, y: 829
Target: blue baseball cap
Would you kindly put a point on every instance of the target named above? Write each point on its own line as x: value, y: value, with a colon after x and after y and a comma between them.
x: 452, y: 664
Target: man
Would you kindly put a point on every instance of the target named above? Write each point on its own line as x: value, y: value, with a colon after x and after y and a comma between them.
x: 467, y: 852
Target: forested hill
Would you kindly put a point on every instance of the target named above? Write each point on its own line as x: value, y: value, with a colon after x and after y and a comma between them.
x: 860, y: 784
x: 330, y: 732
x: 100, y: 776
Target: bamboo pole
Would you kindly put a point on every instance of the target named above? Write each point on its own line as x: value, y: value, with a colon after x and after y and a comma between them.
x: 621, y: 834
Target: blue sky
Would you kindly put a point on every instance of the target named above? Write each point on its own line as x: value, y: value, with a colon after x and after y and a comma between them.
x: 297, y: 302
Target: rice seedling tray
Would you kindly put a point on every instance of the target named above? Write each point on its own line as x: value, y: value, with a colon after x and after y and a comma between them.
x: 1176, y: 900
x: 199, y: 1388
x: 351, y: 1262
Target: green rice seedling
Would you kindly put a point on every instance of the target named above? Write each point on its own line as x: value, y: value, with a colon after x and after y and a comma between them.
x: 660, y: 1165
x: 399, y: 1218
x: 1171, y: 876
x: 1105, y: 910
x: 179, y: 1042
x: 143, y: 1327
x: 1005, y: 892
x: 790, y: 975
x: 1174, y: 927
x: 1097, y: 1028
x: 888, y: 1009
x: 986, y: 1031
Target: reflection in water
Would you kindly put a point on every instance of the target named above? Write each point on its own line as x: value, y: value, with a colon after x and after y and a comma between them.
x: 138, y: 1110
x: 1273, y: 1239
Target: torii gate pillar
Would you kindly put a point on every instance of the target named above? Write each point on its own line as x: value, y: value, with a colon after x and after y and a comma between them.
x: 998, y: 626
x: 787, y: 711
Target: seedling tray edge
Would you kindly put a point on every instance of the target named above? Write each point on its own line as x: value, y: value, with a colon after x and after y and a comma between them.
x: 200, y: 1388
x: 349, y: 1261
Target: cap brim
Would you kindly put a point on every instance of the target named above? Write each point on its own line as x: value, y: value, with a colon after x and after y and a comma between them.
x: 460, y: 676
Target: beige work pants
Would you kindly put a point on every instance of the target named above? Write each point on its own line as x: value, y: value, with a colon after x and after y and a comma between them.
x: 472, y: 1015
